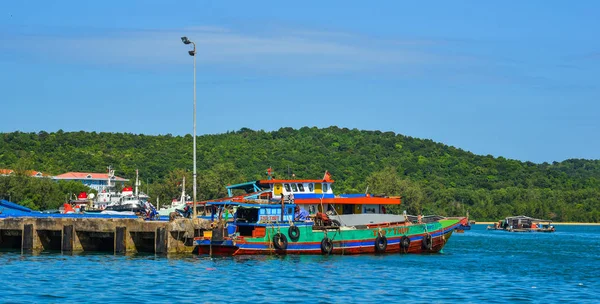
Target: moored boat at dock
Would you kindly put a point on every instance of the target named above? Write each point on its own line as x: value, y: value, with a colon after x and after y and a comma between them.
x: 125, y: 201
x: 270, y: 218
x: 271, y: 228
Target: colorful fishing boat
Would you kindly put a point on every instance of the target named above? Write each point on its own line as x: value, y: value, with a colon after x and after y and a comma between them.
x: 271, y: 228
x: 265, y: 220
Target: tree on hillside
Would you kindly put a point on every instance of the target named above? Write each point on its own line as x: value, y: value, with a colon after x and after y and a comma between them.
x: 389, y: 182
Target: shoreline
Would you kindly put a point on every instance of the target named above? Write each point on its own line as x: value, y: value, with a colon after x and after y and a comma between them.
x: 553, y: 223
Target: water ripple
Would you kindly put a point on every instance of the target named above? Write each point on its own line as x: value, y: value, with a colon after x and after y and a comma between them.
x: 477, y: 266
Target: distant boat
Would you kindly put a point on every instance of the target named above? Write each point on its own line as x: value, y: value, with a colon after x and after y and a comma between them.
x: 126, y: 200
x: 523, y: 223
x: 176, y: 204
x: 465, y: 224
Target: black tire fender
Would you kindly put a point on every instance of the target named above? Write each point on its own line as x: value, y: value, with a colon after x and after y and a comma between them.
x: 404, y: 243
x: 427, y: 243
x: 294, y: 233
x: 380, y: 243
x: 326, y: 246
x: 280, y: 242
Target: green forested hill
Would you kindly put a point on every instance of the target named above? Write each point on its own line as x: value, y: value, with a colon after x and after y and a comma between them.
x: 431, y: 177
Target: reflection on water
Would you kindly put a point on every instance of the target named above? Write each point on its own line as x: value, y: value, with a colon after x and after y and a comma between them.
x: 477, y: 266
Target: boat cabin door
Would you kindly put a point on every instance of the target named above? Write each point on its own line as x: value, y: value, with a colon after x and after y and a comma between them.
x: 277, y: 189
x: 318, y: 188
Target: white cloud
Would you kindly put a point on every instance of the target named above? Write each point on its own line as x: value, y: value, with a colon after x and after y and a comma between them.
x: 286, y: 51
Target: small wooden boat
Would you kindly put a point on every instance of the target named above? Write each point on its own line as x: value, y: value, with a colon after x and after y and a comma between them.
x: 465, y: 224
x: 523, y: 223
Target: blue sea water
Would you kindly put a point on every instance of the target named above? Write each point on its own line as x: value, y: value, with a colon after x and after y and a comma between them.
x: 478, y: 266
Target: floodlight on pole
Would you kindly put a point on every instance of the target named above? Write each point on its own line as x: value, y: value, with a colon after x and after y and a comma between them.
x: 192, y: 53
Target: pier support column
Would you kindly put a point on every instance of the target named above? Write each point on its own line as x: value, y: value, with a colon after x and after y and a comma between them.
x: 27, y: 242
x: 67, y: 238
x: 160, y: 241
x: 121, y: 240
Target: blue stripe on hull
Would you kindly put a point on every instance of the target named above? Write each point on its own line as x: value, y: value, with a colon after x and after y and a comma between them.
x: 338, y: 244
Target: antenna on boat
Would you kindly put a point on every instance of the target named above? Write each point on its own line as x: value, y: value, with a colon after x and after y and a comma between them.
x: 367, y: 191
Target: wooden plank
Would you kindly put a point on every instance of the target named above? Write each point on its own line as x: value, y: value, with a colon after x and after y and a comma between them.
x: 120, y: 240
x: 160, y: 241
x: 27, y: 241
x: 67, y: 238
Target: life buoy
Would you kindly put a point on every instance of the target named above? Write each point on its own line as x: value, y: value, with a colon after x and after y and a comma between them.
x: 280, y: 242
x: 404, y: 243
x: 326, y: 246
x: 427, y: 243
x: 380, y: 243
x: 294, y: 233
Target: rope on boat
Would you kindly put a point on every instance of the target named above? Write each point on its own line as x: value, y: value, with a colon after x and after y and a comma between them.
x: 340, y: 219
x: 271, y: 249
x: 426, y: 234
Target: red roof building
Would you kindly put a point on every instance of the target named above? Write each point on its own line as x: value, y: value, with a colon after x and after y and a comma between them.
x: 87, y: 176
x: 7, y: 172
x: 97, y: 181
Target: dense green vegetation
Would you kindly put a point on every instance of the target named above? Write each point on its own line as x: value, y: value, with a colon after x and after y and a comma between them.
x: 431, y: 177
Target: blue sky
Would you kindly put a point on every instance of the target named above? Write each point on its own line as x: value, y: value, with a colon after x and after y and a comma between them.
x: 517, y: 79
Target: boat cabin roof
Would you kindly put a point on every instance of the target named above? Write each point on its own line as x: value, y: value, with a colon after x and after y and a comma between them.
x: 283, y: 181
x: 247, y: 205
x: 258, y: 185
x: 525, y: 218
x: 247, y: 186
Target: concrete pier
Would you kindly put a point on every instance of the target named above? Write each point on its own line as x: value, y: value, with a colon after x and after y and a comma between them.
x: 111, y: 235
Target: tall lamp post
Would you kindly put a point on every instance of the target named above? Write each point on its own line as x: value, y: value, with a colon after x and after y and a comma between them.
x: 192, y: 53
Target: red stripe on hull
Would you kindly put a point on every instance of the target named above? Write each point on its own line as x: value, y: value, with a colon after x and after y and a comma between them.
x: 438, y: 244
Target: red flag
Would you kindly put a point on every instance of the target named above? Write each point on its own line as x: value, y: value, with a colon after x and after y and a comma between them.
x: 327, y: 176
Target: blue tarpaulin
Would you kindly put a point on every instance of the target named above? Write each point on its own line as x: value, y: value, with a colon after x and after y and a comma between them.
x: 7, y: 207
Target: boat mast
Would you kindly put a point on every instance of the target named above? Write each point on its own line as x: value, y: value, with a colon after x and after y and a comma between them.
x: 137, y: 182
x: 111, y: 173
x: 182, y: 199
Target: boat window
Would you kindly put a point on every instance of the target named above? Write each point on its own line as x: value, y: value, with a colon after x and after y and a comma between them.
x: 311, y: 187
x: 301, y: 187
x: 287, y: 187
x: 325, y: 187
x: 294, y: 188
